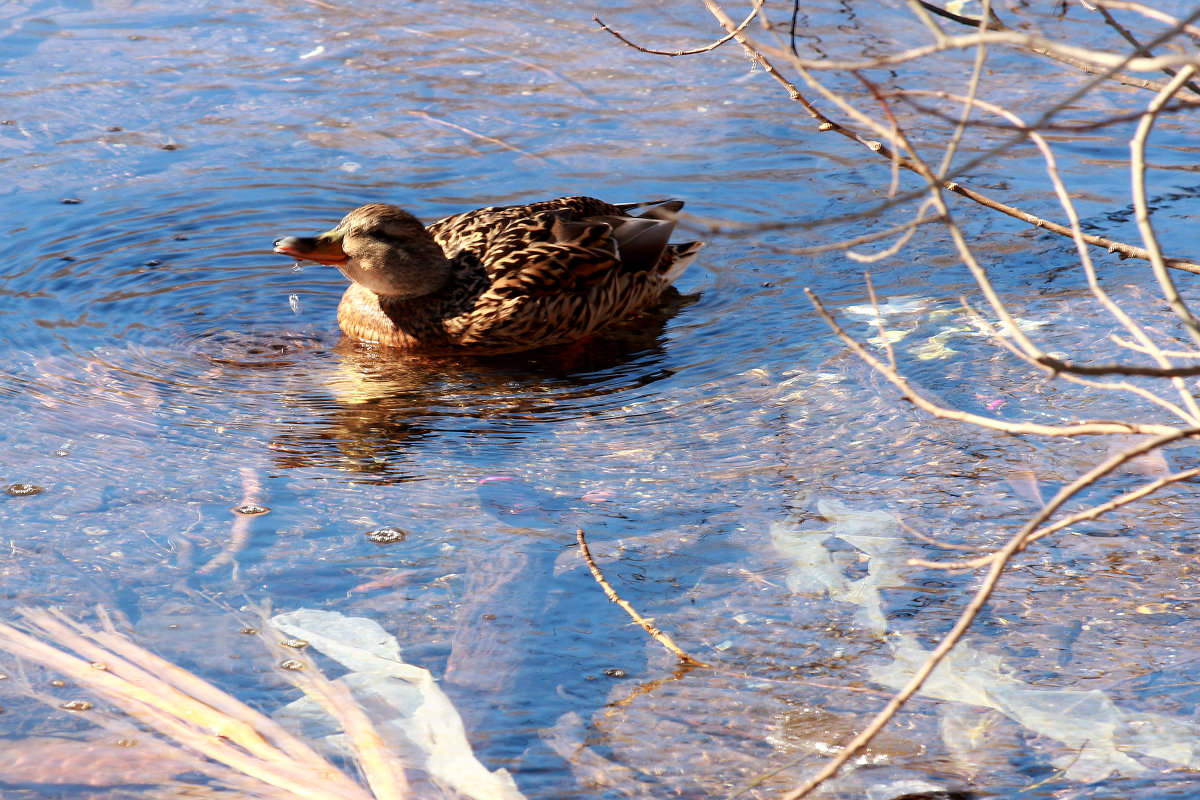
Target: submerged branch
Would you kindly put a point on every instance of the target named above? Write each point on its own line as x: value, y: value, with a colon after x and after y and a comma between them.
x: 648, y: 626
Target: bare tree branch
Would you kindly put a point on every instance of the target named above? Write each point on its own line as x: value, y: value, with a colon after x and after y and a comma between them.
x: 695, y: 51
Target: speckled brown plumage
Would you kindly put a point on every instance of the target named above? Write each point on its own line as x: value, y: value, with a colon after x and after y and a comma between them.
x: 519, y: 277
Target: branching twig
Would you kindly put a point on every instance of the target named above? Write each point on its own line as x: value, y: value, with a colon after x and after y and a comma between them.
x: 995, y: 24
x: 1125, y: 34
x: 999, y: 561
x: 904, y: 145
x: 1094, y: 512
x: 1094, y: 428
x: 759, y: 56
x: 1142, y: 210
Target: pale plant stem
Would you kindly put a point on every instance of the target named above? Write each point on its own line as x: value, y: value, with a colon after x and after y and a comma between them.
x: 936, y: 186
x: 1125, y: 34
x: 922, y: 13
x: 1149, y: 13
x: 1080, y: 516
x: 803, y: 66
x: 1141, y: 208
x: 1115, y: 386
x: 960, y: 128
x: 1193, y: 411
x: 694, y: 51
x: 756, y: 54
x: 1079, y: 429
x: 1117, y: 340
x: 1109, y: 62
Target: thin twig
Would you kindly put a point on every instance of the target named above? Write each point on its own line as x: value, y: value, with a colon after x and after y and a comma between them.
x: 1136, y: 330
x: 995, y: 24
x: 1117, y: 340
x: 1137, y: 147
x: 672, y: 53
x: 759, y: 56
x: 648, y: 626
x: 1080, y: 516
x: 1125, y: 34
x: 1105, y: 65
x: 1150, y: 13
x: 1094, y: 428
x: 1116, y: 386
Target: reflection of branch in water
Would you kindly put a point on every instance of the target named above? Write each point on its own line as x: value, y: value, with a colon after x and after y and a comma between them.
x: 649, y: 687
x: 646, y: 624
x: 475, y: 134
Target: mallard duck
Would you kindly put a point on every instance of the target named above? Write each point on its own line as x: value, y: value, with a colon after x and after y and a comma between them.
x: 498, y: 279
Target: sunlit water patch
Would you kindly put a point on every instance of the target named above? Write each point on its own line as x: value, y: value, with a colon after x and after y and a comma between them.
x: 186, y: 430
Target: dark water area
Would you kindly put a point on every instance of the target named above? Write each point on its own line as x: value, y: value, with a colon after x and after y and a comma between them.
x: 737, y: 471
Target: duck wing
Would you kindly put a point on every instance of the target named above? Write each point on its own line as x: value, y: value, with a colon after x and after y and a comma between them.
x: 551, y: 253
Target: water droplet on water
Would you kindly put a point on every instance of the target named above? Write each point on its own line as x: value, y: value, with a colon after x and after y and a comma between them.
x: 294, y: 302
x: 297, y: 266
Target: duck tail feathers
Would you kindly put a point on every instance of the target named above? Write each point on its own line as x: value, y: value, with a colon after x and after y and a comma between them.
x: 682, y: 256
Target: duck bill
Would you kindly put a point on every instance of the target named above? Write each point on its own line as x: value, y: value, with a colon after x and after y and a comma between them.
x: 323, y: 249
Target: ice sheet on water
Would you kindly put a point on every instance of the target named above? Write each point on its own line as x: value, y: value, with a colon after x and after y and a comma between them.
x: 422, y: 725
x: 1102, y: 737
x: 1098, y: 732
x: 816, y: 568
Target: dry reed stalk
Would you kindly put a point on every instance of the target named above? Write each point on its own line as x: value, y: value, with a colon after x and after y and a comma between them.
x: 196, y: 718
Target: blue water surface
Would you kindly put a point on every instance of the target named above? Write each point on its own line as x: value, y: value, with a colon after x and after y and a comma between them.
x: 159, y: 367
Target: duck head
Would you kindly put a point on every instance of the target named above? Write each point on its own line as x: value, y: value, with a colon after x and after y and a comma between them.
x: 380, y: 247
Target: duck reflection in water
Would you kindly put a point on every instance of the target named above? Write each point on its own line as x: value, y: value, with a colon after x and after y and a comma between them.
x: 377, y: 403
